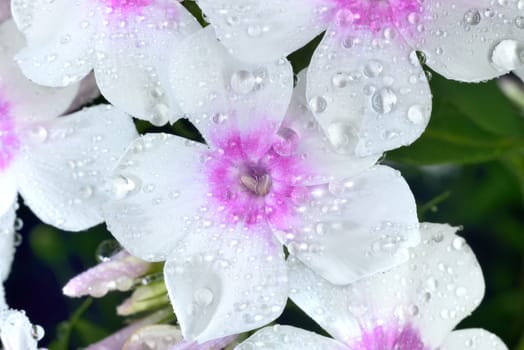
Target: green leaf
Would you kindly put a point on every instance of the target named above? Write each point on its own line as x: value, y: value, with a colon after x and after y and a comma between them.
x: 484, y: 104
x: 469, y: 124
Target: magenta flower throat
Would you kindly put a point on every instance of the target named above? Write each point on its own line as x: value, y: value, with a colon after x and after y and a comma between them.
x: 252, y: 179
x: 375, y: 15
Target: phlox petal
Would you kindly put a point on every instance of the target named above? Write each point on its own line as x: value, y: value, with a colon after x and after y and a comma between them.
x: 157, y: 187
x: 326, y: 303
x: 118, y: 273
x: 29, y: 102
x: 228, y: 281
x: 471, y: 41
x: 8, y: 192
x: 300, y: 129
x: 207, y: 81
x: 448, y: 279
x: 59, y: 46
x: 65, y: 165
x: 370, y: 94
x: 473, y: 338
x: 289, y: 338
x: 130, y: 61
x: 263, y: 31
x: 356, y: 227
x: 7, y: 244
x: 118, y: 339
x: 215, y: 344
x: 16, y: 332
x: 440, y: 285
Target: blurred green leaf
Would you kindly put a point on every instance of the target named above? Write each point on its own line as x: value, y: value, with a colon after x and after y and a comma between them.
x: 484, y: 104
x: 48, y: 245
x: 470, y: 124
x: 66, y: 328
x: 88, y: 332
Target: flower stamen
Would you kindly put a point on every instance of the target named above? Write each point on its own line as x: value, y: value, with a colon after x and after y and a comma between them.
x: 259, y: 185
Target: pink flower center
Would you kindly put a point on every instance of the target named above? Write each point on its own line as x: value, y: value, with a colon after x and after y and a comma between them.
x: 390, y: 338
x: 253, y: 177
x: 9, y: 142
x: 375, y: 15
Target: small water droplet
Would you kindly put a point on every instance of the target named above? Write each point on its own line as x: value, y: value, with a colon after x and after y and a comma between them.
x: 242, y: 82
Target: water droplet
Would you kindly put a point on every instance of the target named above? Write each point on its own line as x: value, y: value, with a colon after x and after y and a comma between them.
x: 317, y: 104
x: 203, y: 296
x: 373, y: 68
x: 384, y: 100
x: 519, y: 22
x: 507, y: 55
x: 340, y: 80
x: 458, y: 243
x: 122, y: 186
x: 38, y: 134
x: 416, y: 114
x: 37, y: 332
x: 243, y: 82
x: 472, y: 17
x: 107, y: 249
x: 160, y: 114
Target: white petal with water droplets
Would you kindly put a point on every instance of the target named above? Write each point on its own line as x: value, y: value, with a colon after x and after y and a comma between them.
x: 471, y: 41
x: 58, y: 51
x: 326, y: 303
x: 7, y: 244
x: 64, y: 164
x: 16, y: 332
x: 157, y: 192
x: 439, y: 286
x: 262, y: 31
x: 130, y: 67
x: 446, y: 284
x: 353, y: 228
x: 366, y: 103
x: 208, y: 81
x: 288, y: 338
x: 474, y: 339
x: 226, y: 281
x: 28, y: 101
x: 302, y: 134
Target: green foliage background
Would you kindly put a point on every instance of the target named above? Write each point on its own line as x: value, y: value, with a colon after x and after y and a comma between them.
x: 467, y: 169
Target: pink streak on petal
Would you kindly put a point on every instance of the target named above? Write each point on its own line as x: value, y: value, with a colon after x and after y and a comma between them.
x: 118, y: 11
x: 117, y: 340
x: 374, y: 15
x: 389, y: 337
x: 254, y: 153
x: 9, y: 141
x: 127, y: 5
x: 215, y: 344
x: 117, y: 273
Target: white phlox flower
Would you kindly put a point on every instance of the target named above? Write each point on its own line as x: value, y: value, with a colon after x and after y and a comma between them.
x: 365, y: 80
x: 57, y: 164
x: 16, y: 332
x: 414, y: 306
x: 219, y: 212
x: 124, y: 41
